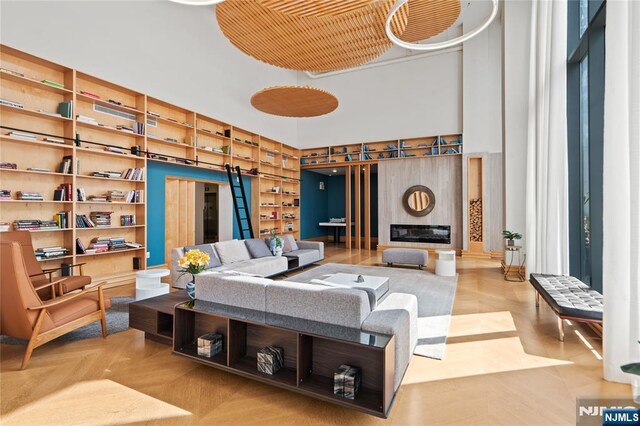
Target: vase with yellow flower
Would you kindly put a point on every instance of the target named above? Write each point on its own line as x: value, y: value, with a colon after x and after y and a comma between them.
x: 193, y: 262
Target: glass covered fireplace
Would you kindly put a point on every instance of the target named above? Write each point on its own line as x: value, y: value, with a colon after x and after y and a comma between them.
x: 437, y: 234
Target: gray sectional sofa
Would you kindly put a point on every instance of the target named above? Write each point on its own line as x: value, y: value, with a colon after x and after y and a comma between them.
x: 250, y: 256
x: 396, y: 314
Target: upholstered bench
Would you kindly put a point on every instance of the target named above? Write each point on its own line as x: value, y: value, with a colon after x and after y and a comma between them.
x: 406, y: 256
x: 569, y: 298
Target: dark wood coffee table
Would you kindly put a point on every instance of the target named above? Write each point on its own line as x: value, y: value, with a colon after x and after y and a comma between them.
x: 154, y: 316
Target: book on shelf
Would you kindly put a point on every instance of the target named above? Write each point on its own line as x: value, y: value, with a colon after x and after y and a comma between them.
x: 16, y: 73
x: 115, y: 149
x: 128, y: 220
x: 27, y: 196
x: 22, y: 135
x: 139, y: 128
x: 101, y: 219
x: 65, y: 109
x: 89, y: 94
x: 6, y: 165
x: 45, y: 253
x: 4, y: 226
x: 63, y: 192
x: 136, y: 173
x: 80, y: 248
x: 5, y: 194
x: 81, y: 194
x: 38, y: 169
x: 107, y: 174
x: 62, y: 219
x: 66, y: 165
x: 53, y: 140
x: 85, y: 119
x: 11, y: 103
x: 83, y: 221
x: 34, y: 225
x: 53, y: 83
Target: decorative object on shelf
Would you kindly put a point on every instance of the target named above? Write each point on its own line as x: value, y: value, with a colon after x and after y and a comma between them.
x: 418, y: 200
x: 310, y: 43
x: 360, y: 279
x: 210, y: 344
x: 294, y: 101
x: 270, y: 359
x: 346, y: 381
x: 510, y: 237
x: 391, y: 32
x: 193, y: 262
x: 275, y: 243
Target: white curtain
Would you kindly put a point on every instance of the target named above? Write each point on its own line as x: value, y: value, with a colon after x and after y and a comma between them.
x: 621, y: 187
x: 547, y: 231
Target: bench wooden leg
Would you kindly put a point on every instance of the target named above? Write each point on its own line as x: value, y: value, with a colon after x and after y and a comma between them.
x: 537, y: 299
x: 560, y: 330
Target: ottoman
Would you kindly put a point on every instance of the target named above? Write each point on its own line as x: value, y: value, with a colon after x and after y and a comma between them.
x: 406, y: 256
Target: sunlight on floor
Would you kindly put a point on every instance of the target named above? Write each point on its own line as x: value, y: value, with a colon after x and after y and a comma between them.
x: 588, y: 345
x: 498, y: 355
x: 97, y: 402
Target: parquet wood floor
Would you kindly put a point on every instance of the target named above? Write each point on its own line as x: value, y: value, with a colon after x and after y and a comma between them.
x: 503, y: 365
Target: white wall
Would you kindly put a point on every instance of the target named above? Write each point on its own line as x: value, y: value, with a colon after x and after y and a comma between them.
x: 517, y: 27
x: 416, y: 98
x: 169, y: 51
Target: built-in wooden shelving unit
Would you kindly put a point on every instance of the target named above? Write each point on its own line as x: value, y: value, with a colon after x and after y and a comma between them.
x: 372, y: 152
x: 113, y: 128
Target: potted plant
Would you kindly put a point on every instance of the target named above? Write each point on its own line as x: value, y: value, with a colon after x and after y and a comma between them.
x: 276, y: 243
x: 510, y: 236
x: 193, y: 262
x: 634, y: 368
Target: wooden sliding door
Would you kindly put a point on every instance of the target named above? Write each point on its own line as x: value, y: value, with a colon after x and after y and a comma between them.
x: 180, y: 202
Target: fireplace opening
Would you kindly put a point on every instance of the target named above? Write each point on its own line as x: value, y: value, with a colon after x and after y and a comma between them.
x: 436, y: 234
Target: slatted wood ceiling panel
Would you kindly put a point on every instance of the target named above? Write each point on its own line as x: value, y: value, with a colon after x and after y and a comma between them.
x: 316, y: 44
x: 294, y: 101
x: 315, y: 7
x: 428, y: 18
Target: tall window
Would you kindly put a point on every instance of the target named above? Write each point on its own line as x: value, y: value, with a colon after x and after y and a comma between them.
x: 585, y: 110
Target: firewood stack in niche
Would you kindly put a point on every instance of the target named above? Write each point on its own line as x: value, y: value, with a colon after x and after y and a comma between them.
x: 475, y: 219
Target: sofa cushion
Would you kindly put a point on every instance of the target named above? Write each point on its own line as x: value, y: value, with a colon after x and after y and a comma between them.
x: 231, y: 289
x: 290, y: 241
x: 286, y: 245
x: 371, y: 293
x: 263, y: 266
x: 305, y: 256
x: 214, y: 260
x: 257, y: 248
x: 340, y: 306
x: 232, y: 251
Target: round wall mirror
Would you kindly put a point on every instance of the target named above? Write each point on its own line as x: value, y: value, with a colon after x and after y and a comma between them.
x: 418, y: 200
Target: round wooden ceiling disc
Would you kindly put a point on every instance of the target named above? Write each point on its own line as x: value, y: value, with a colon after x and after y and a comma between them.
x: 315, y: 7
x: 428, y: 18
x: 311, y: 43
x: 294, y: 101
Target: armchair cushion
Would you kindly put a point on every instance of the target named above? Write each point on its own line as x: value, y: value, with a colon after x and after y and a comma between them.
x: 77, y: 308
x: 75, y: 282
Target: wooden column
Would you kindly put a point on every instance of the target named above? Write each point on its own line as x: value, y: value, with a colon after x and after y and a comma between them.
x: 347, y: 209
x: 358, y: 210
x: 367, y: 206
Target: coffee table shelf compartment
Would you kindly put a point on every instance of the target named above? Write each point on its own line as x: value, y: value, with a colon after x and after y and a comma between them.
x: 309, y: 359
x: 190, y: 325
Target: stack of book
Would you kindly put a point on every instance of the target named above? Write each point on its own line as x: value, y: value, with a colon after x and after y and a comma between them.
x: 62, y: 219
x: 5, y: 194
x: 63, y: 192
x: 85, y: 119
x: 29, y: 196
x: 10, y: 103
x: 98, y: 198
x: 134, y: 174
x: 22, y: 135
x: 5, y: 165
x: 98, y: 245
x: 101, y: 219
x: 34, y: 225
x: 53, y: 140
x: 115, y: 149
x: 117, y: 243
x: 65, y: 109
x: 83, y: 221
x: 139, y: 128
x: 51, y: 252
x: 127, y: 220
x: 66, y: 166
x: 107, y: 174
x: 4, y: 226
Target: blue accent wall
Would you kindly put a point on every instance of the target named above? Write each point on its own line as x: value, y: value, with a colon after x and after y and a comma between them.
x: 319, y: 206
x: 314, y: 204
x: 156, y: 177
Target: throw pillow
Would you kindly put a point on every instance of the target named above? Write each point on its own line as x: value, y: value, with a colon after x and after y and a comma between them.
x: 257, y: 248
x: 292, y: 242
x: 286, y: 244
x: 214, y: 260
x: 232, y: 251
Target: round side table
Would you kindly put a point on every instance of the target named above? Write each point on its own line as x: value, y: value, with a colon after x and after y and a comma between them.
x: 148, y: 283
x: 446, y: 263
x: 513, y: 267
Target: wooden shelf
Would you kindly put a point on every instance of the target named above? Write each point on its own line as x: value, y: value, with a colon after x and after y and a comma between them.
x: 37, y: 201
x: 103, y: 253
x: 50, y: 230
x: 170, y: 122
x: 53, y: 259
x: 107, y: 129
x: 109, y: 178
x: 212, y: 134
x: 26, y: 81
x: 54, y: 145
x: 35, y: 172
x: 111, y: 203
x: 32, y: 113
x: 101, y: 151
x: 249, y: 365
x: 98, y: 228
x: 123, y: 108
x: 162, y: 141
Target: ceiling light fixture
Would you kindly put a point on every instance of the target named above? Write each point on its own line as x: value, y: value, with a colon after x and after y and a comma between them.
x: 197, y: 2
x: 435, y: 46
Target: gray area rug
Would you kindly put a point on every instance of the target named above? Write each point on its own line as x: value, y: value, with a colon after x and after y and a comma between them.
x: 435, y: 298
x: 117, y: 321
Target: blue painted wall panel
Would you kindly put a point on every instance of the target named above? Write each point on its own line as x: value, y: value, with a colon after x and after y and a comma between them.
x: 156, y: 176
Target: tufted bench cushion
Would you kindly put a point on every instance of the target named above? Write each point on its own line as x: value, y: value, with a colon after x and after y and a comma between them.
x: 568, y: 296
x: 406, y: 256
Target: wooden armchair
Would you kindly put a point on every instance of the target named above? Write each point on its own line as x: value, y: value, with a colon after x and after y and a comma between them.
x: 24, y: 315
x: 40, y: 277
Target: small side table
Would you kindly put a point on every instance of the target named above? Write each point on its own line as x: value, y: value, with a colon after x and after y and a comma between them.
x: 148, y: 283
x: 446, y: 263
x: 514, y: 269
